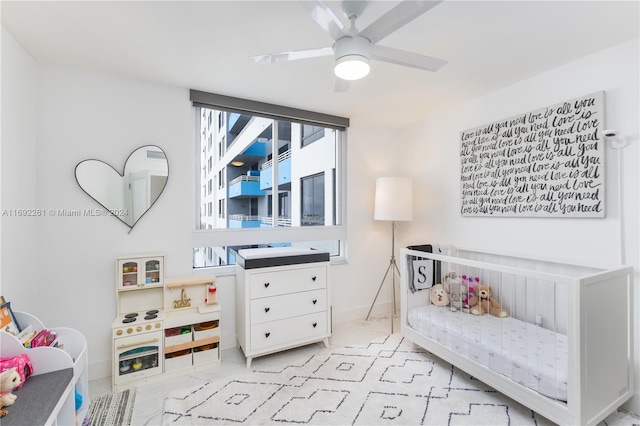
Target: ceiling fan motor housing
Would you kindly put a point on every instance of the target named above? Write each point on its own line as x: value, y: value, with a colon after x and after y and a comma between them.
x: 352, y: 57
x: 356, y: 45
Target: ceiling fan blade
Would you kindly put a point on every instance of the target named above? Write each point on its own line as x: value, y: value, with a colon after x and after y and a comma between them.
x: 341, y: 85
x: 325, y: 17
x: 292, y: 55
x: 407, y: 59
x: 397, y: 17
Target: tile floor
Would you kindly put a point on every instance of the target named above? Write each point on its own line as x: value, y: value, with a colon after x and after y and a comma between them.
x: 150, y: 396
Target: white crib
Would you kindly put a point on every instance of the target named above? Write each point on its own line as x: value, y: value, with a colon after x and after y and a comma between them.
x: 566, y: 348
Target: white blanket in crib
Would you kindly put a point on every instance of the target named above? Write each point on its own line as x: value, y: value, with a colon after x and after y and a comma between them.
x: 525, y: 353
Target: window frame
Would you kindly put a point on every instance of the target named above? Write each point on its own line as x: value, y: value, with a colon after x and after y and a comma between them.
x: 239, y: 236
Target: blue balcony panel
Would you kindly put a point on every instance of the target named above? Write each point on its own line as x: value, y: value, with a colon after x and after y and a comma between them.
x: 256, y: 149
x: 284, y: 175
x: 237, y: 224
x: 231, y: 258
x: 266, y: 181
x: 246, y: 189
x: 284, y: 171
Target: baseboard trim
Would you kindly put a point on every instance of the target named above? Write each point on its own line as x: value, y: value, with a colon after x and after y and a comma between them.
x: 380, y: 309
x: 99, y: 369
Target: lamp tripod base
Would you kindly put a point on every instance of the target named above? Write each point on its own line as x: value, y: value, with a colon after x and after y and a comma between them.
x: 393, y: 268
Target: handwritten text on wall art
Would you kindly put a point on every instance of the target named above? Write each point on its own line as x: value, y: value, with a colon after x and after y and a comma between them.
x: 545, y: 163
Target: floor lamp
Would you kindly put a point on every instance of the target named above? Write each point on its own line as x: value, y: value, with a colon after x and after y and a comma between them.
x: 393, y: 202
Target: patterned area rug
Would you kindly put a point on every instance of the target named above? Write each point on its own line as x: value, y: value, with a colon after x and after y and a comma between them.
x: 112, y: 410
x: 388, y: 382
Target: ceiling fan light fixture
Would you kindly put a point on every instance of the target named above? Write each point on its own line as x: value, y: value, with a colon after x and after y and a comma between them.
x: 352, y: 57
x: 352, y: 67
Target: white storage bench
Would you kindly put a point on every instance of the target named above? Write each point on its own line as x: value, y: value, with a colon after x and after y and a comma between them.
x: 565, y: 350
x: 48, y: 396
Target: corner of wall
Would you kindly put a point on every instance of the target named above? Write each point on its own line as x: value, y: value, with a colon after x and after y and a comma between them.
x: 19, y: 83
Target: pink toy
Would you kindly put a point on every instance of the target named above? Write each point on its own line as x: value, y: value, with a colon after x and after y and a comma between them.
x: 470, y: 283
x: 21, y: 363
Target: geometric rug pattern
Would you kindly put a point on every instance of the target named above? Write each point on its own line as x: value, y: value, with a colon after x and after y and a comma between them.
x: 112, y: 410
x: 390, y: 382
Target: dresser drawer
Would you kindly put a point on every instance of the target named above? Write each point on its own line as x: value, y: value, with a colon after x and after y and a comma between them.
x: 291, y: 330
x: 288, y: 305
x: 267, y: 284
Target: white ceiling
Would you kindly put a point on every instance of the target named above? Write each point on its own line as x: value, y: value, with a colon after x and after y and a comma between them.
x: 204, y: 45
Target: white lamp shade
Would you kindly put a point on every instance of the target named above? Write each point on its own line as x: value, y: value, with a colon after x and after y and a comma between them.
x: 394, y: 199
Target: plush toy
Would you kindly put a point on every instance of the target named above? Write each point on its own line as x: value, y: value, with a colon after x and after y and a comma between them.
x: 455, y: 290
x: 470, y: 283
x: 483, y: 303
x: 9, y: 380
x: 439, y: 297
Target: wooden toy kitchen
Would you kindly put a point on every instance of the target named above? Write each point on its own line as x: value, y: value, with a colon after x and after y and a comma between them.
x: 163, y: 325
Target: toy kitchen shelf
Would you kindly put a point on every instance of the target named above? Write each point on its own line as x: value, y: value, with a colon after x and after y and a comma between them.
x: 163, y: 326
x: 48, y: 396
x: 140, y: 272
x: 192, y: 323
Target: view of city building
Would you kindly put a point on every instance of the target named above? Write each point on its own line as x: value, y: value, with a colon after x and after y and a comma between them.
x: 242, y: 156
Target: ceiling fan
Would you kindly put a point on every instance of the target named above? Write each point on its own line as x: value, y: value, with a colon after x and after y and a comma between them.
x: 353, y: 48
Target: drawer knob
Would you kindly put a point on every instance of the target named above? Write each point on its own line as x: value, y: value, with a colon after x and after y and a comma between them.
x: 266, y: 285
x: 315, y: 301
x: 313, y: 278
x: 315, y: 324
x: 267, y: 334
x: 267, y: 309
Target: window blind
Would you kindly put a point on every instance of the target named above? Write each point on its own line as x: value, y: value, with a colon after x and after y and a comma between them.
x: 262, y: 109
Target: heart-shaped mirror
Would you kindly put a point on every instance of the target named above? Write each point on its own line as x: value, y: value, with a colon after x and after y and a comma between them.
x: 130, y: 194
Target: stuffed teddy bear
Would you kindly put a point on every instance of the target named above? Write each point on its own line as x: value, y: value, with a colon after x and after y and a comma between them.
x: 455, y: 290
x: 438, y: 296
x: 470, y: 283
x: 483, y: 303
x: 9, y: 380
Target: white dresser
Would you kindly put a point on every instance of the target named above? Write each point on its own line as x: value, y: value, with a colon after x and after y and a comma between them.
x: 282, y: 299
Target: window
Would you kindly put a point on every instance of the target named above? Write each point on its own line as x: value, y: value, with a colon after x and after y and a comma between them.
x: 221, y: 179
x: 221, y: 208
x: 280, y: 178
x: 313, y: 200
x: 310, y: 134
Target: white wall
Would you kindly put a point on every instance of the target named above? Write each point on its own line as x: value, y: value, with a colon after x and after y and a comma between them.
x: 81, y: 116
x: 372, y: 151
x: 591, y: 241
x: 18, y: 175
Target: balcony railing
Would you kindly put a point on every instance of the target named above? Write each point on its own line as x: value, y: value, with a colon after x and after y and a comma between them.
x: 281, y: 157
x: 282, y: 221
x: 243, y: 217
x: 245, y: 178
